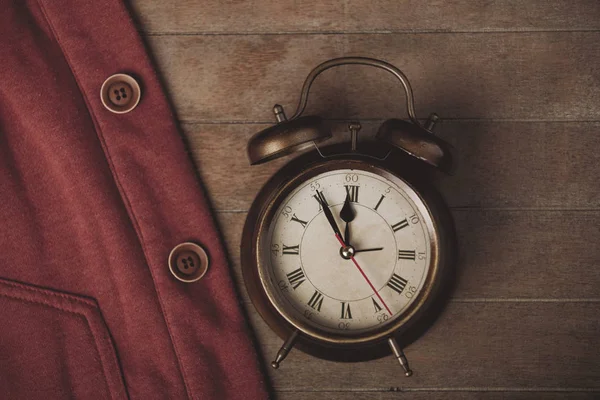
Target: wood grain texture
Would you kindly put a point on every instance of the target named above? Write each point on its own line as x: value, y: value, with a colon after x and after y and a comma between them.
x: 506, y: 254
x: 519, y: 86
x: 553, y: 162
x: 351, y: 16
x: 547, y: 75
x: 472, y: 345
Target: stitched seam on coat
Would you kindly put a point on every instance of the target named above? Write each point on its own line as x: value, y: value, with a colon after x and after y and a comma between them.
x: 86, y: 319
x: 124, y: 197
x: 48, y: 293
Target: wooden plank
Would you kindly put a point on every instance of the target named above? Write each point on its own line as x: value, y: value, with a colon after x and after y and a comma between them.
x: 528, y: 254
x: 540, y: 76
x: 272, y: 16
x: 500, y: 164
x: 472, y: 16
x: 547, y: 75
x: 505, y: 254
x: 516, y: 165
x: 477, y: 346
x: 439, y: 395
x: 235, y: 78
x: 217, y: 16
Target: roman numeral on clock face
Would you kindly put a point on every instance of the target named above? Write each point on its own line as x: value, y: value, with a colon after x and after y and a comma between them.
x: 379, y: 202
x: 296, y: 278
x: 406, y: 255
x: 316, y: 196
x: 346, y: 313
x: 352, y: 192
x: 296, y: 219
x: 316, y: 301
x: 400, y: 225
x: 397, y: 283
x: 295, y: 250
x: 376, y: 305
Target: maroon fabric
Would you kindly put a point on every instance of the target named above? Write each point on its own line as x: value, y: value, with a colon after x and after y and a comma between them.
x: 91, y: 203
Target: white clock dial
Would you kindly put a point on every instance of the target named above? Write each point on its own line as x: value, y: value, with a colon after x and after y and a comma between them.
x: 314, y: 282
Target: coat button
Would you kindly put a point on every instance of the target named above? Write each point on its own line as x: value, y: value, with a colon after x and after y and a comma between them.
x: 188, y: 262
x: 120, y: 93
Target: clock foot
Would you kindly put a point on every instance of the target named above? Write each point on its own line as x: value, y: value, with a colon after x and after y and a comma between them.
x: 400, y: 356
x: 284, y: 350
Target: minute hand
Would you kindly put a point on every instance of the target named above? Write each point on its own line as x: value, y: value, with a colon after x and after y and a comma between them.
x: 365, y: 250
x: 329, y: 215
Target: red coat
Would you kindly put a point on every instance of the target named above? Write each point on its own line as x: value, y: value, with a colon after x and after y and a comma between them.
x: 91, y: 204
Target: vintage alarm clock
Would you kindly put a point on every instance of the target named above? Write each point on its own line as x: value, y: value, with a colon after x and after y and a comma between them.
x: 347, y: 250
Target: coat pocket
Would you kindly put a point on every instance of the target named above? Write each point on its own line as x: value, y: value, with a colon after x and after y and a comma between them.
x: 55, y: 345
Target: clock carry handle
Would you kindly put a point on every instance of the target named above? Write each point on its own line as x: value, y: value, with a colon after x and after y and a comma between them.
x: 336, y: 62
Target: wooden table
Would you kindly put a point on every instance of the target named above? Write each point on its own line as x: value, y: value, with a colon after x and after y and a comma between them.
x: 518, y: 86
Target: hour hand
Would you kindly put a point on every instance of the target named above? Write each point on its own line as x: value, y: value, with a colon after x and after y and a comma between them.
x: 321, y: 199
x: 347, y: 215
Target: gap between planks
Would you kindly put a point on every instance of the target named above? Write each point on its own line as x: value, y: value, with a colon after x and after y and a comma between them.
x: 524, y: 300
x: 481, y: 300
x: 511, y: 209
x: 442, y: 389
x: 376, y: 120
x: 367, y: 32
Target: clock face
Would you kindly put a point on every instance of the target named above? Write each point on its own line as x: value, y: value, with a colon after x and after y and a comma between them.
x: 354, y: 285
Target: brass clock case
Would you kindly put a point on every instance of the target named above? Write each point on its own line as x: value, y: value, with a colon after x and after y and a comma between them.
x: 301, y: 132
x: 350, y: 347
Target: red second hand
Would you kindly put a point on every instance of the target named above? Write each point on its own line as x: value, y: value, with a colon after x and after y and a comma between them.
x: 364, y: 276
